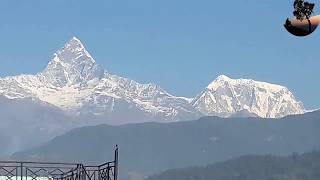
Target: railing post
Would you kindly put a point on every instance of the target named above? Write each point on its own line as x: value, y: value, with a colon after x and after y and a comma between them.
x: 99, y: 173
x: 116, y: 162
x: 21, y: 171
x: 108, y: 172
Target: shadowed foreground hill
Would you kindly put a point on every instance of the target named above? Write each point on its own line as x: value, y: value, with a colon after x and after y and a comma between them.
x: 304, y: 167
x: 153, y: 147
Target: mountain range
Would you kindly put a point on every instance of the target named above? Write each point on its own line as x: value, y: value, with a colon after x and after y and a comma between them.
x: 75, y: 83
x: 74, y: 91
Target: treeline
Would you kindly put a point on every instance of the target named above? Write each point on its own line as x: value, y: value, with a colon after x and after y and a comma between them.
x: 294, y: 167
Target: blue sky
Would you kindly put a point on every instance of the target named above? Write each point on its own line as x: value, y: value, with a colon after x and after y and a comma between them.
x: 182, y: 45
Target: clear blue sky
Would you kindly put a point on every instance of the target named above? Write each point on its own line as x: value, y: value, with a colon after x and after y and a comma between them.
x: 182, y: 45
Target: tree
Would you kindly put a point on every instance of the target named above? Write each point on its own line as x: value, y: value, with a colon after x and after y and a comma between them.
x: 303, y: 10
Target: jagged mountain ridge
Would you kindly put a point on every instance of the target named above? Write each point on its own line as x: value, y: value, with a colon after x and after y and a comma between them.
x: 72, y: 65
x: 225, y: 96
x: 74, y: 82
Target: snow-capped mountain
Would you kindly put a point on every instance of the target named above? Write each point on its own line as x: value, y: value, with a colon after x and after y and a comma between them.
x: 72, y: 65
x: 226, y: 96
x: 74, y: 91
x: 75, y: 83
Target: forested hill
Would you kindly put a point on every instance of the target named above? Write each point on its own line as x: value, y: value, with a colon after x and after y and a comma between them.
x: 294, y: 167
x: 150, y: 148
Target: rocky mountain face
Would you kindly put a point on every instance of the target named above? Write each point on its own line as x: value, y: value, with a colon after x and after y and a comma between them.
x: 74, y: 82
x: 226, y: 96
x: 72, y: 66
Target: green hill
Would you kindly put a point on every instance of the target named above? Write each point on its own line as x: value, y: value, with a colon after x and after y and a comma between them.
x: 294, y: 167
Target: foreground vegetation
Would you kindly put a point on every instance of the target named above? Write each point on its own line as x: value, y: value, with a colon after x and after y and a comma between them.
x: 295, y: 167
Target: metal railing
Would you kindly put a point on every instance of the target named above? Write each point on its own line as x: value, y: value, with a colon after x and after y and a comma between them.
x: 12, y: 170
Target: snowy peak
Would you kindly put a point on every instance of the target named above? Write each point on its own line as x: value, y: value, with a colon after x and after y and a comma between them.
x: 73, y: 52
x: 226, y: 96
x: 75, y: 44
x: 223, y: 80
x: 220, y: 80
x: 72, y: 65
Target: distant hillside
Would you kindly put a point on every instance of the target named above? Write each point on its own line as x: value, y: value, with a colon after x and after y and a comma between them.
x: 294, y: 167
x: 16, y: 130
x: 148, y: 148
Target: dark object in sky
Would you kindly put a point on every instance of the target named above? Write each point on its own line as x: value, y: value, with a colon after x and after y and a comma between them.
x: 302, y: 9
x: 302, y: 12
x: 302, y: 28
